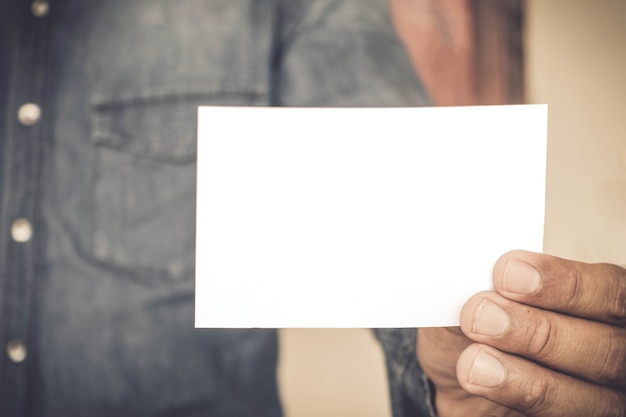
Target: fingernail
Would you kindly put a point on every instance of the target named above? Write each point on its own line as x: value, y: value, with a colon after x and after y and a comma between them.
x: 520, y: 277
x: 490, y: 319
x: 487, y: 371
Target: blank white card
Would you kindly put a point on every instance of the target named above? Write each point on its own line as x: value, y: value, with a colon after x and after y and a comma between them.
x: 369, y: 217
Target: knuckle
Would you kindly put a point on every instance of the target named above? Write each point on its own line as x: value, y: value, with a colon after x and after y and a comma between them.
x: 540, y: 337
x: 612, y: 405
x: 538, y: 395
x: 609, y: 403
x: 618, y: 310
x: 570, y: 292
x: 541, y: 396
x: 597, y: 291
x: 613, y: 371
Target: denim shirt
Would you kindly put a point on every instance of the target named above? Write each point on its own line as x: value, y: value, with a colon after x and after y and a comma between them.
x: 97, y: 191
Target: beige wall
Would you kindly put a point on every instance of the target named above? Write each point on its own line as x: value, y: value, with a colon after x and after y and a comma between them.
x: 576, y: 62
x: 332, y: 372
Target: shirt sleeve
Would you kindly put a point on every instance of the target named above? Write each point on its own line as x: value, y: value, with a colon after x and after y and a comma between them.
x: 410, y: 389
x: 341, y: 53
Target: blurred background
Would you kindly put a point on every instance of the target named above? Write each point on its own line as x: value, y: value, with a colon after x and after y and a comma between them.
x: 569, y: 54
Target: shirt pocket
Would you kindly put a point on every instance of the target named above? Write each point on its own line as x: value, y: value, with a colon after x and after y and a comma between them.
x: 143, y: 213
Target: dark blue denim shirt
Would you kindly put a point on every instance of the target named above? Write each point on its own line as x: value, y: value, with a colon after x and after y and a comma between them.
x: 97, y: 192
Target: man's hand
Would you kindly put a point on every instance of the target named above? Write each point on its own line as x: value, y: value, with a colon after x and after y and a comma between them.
x: 550, y: 341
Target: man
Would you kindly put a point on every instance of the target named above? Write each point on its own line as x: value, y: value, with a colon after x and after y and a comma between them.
x: 97, y: 222
x: 97, y: 153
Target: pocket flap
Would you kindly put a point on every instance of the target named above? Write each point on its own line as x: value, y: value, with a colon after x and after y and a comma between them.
x: 160, y: 123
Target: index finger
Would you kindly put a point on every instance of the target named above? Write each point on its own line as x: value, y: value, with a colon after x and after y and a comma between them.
x: 590, y: 291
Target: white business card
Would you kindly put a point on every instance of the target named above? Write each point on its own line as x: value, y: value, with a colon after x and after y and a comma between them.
x: 361, y: 217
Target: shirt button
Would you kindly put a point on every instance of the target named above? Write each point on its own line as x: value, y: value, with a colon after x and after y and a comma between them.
x: 29, y: 114
x: 16, y: 351
x: 21, y: 230
x: 40, y: 8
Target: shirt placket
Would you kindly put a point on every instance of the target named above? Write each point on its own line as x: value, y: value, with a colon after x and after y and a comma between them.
x: 24, y: 149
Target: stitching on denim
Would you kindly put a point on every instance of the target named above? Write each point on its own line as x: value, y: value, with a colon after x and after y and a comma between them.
x: 159, y: 95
